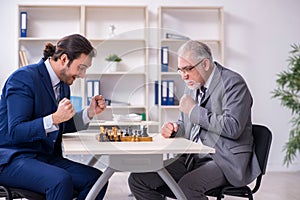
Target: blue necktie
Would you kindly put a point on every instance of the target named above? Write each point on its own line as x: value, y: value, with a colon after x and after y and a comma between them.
x: 61, y: 90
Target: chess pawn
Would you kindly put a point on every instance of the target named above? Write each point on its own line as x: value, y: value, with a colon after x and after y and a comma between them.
x: 145, y: 132
x: 101, y: 129
x: 136, y: 139
x: 115, y: 131
x: 101, y: 137
x: 126, y: 133
x: 133, y: 138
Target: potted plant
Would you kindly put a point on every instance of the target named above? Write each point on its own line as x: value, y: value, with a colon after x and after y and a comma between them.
x: 113, y: 60
x: 288, y: 92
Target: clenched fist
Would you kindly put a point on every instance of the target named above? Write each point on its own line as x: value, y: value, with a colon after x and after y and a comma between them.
x: 186, y: 104
x: 97, y: 106
x: 168, y: 128
x: 64, y: 112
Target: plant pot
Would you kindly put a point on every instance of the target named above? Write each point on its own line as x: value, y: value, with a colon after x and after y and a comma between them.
x: 112, y: 66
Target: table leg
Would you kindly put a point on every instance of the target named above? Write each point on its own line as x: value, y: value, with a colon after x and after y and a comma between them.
x: 164, y: 174
x: 100, y: 183
x: 93, y: 160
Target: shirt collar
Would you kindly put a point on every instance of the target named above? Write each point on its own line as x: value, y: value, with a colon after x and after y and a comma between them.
x: 54, y: 79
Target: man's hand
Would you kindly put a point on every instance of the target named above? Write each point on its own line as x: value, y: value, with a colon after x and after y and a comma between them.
x: 186, y: 104
x: 168, y: 128
x: 97, y: 106
x: 64, y: 112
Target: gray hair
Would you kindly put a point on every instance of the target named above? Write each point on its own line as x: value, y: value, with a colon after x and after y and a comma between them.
x: 195, y: 50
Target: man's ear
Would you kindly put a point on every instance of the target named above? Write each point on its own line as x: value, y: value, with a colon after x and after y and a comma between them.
x: 64, y: 59
x: 206, y: 64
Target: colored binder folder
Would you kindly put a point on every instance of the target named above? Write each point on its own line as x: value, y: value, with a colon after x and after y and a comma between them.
x: 164, y: 92
x: 171, y: 87
x: 164, y: 59
x: 156, y: 92
x: 23, y: 24
x: 92, y: 89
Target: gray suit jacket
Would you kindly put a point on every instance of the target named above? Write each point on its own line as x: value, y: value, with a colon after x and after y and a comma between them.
x: 224, y: 121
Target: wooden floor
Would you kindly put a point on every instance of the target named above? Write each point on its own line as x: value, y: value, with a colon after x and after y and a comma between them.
x: 275, y: 186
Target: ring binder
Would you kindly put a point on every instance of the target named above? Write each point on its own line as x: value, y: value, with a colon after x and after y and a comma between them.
x: 23, y: 24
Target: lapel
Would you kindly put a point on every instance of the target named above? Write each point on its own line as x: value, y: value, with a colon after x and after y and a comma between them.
x: 45, y: 79
x: 216, y: 80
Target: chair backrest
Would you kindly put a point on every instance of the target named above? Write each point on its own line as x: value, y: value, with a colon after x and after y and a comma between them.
x: 262, y: 141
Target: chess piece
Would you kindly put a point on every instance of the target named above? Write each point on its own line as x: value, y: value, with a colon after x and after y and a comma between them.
x: 145, y: 132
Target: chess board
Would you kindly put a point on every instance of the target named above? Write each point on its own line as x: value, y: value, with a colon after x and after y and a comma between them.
x: 116, y: 135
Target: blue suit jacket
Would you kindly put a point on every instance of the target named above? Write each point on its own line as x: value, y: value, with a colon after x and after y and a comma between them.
x: 26, y: 98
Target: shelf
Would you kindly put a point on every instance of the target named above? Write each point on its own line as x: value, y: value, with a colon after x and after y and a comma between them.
x: 118, y: 73
x: 125, y: 107
x: 37, y: 39
x: 118, y: 123
x: 172, y: 107
x: 170, y: 73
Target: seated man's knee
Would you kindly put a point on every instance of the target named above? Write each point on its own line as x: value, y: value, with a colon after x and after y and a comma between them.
x: 190, y: 188
x: 63, y: 179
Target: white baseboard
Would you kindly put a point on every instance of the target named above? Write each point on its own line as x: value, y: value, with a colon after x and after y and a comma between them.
x: 280, y: 167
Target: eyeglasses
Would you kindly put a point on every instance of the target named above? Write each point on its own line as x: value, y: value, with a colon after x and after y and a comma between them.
x: 187, y: 69
x: 82, y: 70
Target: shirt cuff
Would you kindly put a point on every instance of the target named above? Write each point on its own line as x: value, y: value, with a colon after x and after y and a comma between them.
x: 48, y: 124
x: 85, y: 117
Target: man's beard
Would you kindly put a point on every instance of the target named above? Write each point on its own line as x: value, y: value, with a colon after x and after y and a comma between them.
x: 194, y: 86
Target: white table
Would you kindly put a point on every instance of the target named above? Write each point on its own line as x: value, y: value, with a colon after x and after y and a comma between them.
x: 132, y: 156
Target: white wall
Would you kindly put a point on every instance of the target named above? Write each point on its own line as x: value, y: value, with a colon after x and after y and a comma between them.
x: 258, y: 35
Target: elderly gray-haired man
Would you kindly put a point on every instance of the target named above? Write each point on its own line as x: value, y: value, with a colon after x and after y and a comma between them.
x: 215, y: 110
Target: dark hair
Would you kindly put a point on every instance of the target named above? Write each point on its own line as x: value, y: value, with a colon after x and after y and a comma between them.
x: 72, y: 45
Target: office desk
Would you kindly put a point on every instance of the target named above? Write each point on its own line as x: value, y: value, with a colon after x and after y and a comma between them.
x: 132, y: 156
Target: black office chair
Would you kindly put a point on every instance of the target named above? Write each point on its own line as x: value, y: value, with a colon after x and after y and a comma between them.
x: 262, y: 141
x: 11, y: 193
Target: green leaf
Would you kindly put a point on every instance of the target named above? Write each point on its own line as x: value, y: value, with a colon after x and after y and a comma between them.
x: 288, y: 92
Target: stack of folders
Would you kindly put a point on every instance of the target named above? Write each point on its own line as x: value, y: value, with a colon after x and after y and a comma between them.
x: 167, y: 92
x: 92, y: 89
x: 176, y: 36
x: 23, y: 58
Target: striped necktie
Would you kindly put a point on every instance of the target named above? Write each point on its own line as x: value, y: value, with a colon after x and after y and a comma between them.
x: 195, y: 131
x: 59, y: 91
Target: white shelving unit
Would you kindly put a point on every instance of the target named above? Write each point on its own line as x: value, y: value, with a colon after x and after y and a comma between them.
x: 205, y: 24
x: 128, y: 82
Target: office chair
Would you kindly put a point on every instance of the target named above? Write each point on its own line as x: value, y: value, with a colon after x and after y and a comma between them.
x: 11, y: 193
x: 262, y: 142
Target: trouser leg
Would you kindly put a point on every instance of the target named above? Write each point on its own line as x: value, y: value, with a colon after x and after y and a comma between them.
x: 29, y: 173
x: 83, y: 177
x: 145, y: 186
x: 202, y: 178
